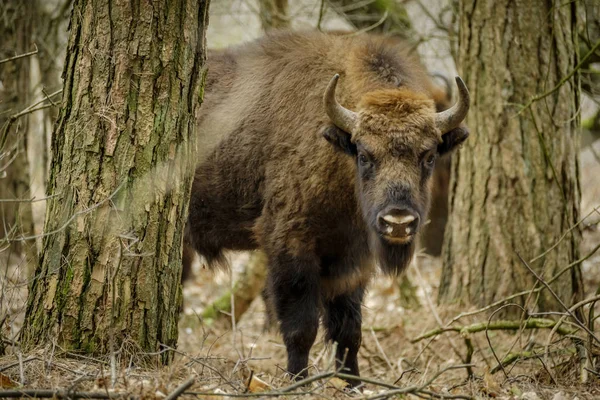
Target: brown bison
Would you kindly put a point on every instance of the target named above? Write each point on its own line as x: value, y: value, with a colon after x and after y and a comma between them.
x: 321, y: 151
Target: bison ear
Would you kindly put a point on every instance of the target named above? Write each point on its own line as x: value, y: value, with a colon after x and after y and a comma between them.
x: 452, y: 139
x: 340, y: 139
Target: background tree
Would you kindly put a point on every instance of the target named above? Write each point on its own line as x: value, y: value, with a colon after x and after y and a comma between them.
x: 15, y: 211
x: 122, y: 162
x: 50, y: 19
x: 515, y: 184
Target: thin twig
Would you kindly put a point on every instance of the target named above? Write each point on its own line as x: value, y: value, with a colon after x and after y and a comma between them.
x: 543, y: 282
x: 524, y: 292
x: 385, y: 357
x: 434, y: 310
x: 563, y: 236
x: 371, y: 27
x: 487, y: 336
x: 31, y: 53
x: 75, y: 215
x: 563, y: 80
x: 31, y: 200
x: 562, y: 319
x: 30, y: 109
x: 327, y: 375
x: 59, y: 394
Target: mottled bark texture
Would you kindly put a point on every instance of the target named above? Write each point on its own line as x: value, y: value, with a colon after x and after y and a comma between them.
x: 122, y: 164
x: 274, y: 14
x: 15, y: 216
x: 515, y: 183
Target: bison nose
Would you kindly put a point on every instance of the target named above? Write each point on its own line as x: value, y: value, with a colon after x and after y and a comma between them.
x: 398, y: 223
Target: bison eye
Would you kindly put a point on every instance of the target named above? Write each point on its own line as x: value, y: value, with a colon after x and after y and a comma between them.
x: 430, y: 159
x: 364, y: 160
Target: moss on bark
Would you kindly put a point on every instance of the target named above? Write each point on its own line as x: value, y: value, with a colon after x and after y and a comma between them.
x: 122, y: 166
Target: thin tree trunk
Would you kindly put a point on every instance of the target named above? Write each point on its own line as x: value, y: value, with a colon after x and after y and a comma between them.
x: 15, y: 214
x: 50, y: 20
x: 122, y: 165
x: 514, y: 185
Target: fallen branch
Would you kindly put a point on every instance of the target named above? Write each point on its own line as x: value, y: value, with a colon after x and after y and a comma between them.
x: 245, y: 290
x: 532, y: 323
x: 60, y: 394
x: 512, y: 358
x: 180, y: 389
x: 395, y: 390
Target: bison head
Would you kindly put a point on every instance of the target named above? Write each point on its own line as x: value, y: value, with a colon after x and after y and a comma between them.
x: 395, y: 136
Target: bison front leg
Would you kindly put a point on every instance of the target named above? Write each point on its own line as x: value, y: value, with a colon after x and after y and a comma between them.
x: 294, y: 290
x: 343, y: 320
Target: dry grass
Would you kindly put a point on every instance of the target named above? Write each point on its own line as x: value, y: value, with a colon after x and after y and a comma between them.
x: 222, y: 361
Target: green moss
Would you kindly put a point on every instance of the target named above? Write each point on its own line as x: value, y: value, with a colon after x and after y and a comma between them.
x: 203, y: 75
x: 223, y: 303
x: 65, y: 286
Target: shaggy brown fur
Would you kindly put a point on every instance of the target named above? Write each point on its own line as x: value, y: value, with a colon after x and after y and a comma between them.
x: 276, y: 174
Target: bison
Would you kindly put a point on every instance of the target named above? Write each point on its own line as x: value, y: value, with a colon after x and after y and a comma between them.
x: 321, y: 152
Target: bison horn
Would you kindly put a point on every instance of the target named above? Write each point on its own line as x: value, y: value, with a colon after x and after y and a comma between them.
x: 340, y: 116
x: 452, y: 117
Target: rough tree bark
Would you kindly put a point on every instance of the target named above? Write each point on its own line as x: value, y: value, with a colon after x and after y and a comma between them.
x: 15, y: 216
x: 122, y: 165
x: 515, y: 184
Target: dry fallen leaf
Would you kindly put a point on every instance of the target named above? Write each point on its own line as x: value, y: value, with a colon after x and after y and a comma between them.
x: 257, y: 385
x: 338, y: 383
x: 5, y: 382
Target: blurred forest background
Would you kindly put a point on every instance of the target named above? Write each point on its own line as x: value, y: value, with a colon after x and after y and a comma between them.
x: 433, y: 333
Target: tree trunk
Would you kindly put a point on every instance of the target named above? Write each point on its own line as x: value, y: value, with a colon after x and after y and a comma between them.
x: 122, y: 166
x: 51, y: 18
x: 274, y: 14
x: 15, y: 214
x: 514, y: 185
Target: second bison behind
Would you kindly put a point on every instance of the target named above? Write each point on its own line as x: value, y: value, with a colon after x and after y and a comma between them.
x: 322, y: 148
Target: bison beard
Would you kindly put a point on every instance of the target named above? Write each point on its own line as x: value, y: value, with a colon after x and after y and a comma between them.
x: 287, y: 168
x: 392, y: 258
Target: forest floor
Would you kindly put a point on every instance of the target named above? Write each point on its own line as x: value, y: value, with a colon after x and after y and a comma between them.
x: 249, y: 362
